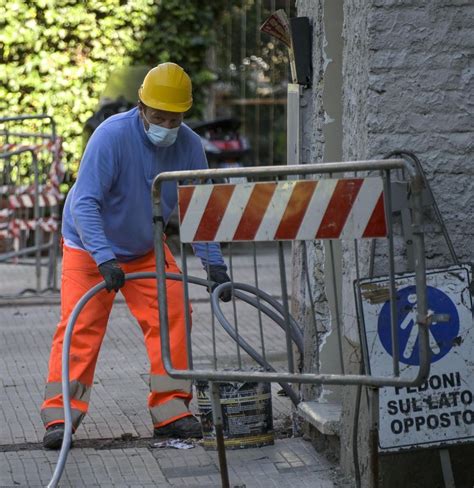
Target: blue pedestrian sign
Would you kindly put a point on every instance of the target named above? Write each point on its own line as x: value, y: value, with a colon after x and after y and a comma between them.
x: 443, y: 336
x: 439, y: 411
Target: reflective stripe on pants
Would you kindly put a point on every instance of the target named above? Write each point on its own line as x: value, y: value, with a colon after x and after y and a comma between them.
x: 79, y: 274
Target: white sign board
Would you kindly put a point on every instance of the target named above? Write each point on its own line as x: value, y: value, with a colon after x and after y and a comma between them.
x: 440, y: 411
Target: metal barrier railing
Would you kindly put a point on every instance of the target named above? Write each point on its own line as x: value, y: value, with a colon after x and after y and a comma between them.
x: 423, y: 320
x: 325, y: 208
x: 30, y: 196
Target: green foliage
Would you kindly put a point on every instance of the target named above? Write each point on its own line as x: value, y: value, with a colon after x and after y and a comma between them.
x: 58, y: 54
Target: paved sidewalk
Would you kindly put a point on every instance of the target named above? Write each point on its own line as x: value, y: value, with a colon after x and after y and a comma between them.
x: 113, y: 446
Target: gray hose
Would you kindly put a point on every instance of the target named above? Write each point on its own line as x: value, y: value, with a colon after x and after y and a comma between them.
x: 294, y: 329
x: 295, y: 333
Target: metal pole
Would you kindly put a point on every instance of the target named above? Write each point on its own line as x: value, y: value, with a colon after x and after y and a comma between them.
x: 55, y: 253
x: 256, y: 141
x: 159, y: 224
x: 391, y: 267
x: 336, y: 306
x: 279, y: 170
x: 234, y: 308
x: 187, y: 318
x: 55, y: 249
x: 23, y: 252
x: 219, y: 428
x: 422, y: 319
x: 213, y: 321
x: 360, y: 314
x: 36, y: 213
x: 293, y: 123
x: 259, y: 311
x: 374, y: 437
x: 284, y: 297
x: 447, y: 469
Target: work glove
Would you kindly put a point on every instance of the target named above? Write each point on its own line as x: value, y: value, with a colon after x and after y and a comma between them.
x: 218, y: 274
x: 113, y: 275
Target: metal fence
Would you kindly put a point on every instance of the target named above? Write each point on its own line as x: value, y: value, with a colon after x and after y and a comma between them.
x: 285, y: 203
x: 30, y: 175
x: 197, y: 226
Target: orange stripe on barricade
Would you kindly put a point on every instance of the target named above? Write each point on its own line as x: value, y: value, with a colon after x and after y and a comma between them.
x: 339, y: 208
x: 214, y: 212
x: 27, y: 200
x: 184, y: 195
x: 47, y: 225
x: 56, y: 172
x: 376, y: 226
x: 349, y: 208
x: 296, y: 209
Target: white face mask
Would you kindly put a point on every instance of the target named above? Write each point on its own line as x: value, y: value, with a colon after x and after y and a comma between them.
x: 161, y: 136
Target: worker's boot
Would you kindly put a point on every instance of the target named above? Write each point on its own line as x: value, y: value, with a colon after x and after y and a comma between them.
x: 183, y: 428
x: 53, y: 437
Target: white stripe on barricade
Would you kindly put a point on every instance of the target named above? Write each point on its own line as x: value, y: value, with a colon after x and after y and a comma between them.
x: 27, y: 200
x: 5, y: 215
x: 289, y: 210
x: 47, y: 225
x: 230, y: 220
x: 313, y: 215
x: 197, y: 205
x: 56, y: 172
x: 278, y: 204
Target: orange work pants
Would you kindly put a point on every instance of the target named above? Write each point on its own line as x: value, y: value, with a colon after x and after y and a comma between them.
x: 169, y: 398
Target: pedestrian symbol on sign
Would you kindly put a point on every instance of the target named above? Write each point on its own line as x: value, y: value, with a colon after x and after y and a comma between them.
x: 441, y: 335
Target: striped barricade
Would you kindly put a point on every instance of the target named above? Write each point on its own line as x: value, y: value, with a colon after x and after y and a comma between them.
x: 45, y: 224
x: 317, y: 205
x: 5, y: 218
x: 290, y: 210
x: 32, y: 206
x: 278, y: 208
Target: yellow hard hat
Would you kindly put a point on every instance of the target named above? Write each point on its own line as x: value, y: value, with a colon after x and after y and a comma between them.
x: 167, y: 87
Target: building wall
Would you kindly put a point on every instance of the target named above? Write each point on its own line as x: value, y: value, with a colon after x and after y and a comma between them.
x: 408, y: 83
x: 419, y: 96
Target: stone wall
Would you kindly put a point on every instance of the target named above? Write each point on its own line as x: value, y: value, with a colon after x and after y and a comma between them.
x: 419, y: 96
x: 408, y: 83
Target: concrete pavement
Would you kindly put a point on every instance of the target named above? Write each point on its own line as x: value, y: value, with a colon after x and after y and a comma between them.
x: 113, y: 446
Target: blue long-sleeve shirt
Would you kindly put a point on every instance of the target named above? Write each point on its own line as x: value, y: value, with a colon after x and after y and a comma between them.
x: 108, y: 211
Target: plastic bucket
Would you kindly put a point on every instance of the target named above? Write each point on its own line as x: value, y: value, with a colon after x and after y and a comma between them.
x: 246, y: 411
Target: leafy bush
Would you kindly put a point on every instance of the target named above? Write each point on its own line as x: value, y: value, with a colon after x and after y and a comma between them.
x: 58, y: 54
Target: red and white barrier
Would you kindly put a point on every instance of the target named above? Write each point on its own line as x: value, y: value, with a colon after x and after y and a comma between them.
x: 56, y: 172
x: 27, y: 200
x: 47, y: 225
x: 293, y: 210
x: 5, y: 215
x: 23, y: 197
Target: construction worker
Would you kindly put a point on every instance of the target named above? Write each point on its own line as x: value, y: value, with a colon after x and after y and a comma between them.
x: 107, y: 232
